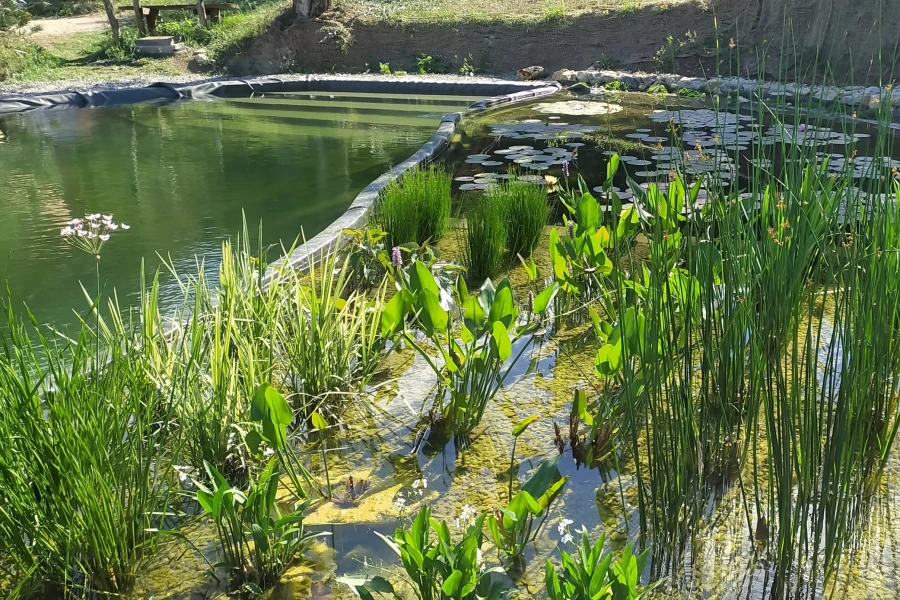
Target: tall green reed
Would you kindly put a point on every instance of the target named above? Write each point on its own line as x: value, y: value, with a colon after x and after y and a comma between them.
x: 415, y: 208
x: 525, y: 211
x: 485, y: 240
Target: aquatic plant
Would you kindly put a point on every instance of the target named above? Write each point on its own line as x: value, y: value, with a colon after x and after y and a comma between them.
x: 525, y: 211
x: 485, y: 240
x: 473, y: 368
x: 513, y: 526
x: 327, y: 336
x: 415, y: 207
x: 436, y: 567
x: 87, y: 467
x: 591, y: 574
x: 257, y: 541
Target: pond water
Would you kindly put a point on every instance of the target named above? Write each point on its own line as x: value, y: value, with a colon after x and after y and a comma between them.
x: 389, y: 447
x: 181, y: 175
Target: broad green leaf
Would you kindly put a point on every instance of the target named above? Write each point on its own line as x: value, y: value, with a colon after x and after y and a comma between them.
x: 432, y: 315
x: 551, y: 580
x: 452, y: 584
x: 579, y: 407
x: 473, y: 315
x: 548, y: 496
x: 543, y: 300
x: 421, y: 279
x: 609, y: 359
x: 522, y: 425
x: 319, y: 422
x: 542, y: 478
x: 253, y: 440
x: 587, y: 213
x: 500, y: 340
x: 611, y: 167
x: 393, y: 316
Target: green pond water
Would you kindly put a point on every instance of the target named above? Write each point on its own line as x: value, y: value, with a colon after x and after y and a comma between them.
x: 180, y: 174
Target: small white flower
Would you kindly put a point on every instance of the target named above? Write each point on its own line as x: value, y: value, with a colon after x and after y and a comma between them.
x: 466, y: 518
x: 269, y: 451
x: 563, y: 525
x: 112, y: 226
x: 93, y: 217
x: 107, y: 218
x: 124, y: 226
x: 104, y: 237
x: 400, y: 503
x: 567, y: 539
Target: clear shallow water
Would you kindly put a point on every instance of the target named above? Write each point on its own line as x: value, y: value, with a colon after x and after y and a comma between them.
x: 180, y: 175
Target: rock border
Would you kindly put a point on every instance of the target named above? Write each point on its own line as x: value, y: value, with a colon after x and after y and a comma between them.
x: 866, y: 97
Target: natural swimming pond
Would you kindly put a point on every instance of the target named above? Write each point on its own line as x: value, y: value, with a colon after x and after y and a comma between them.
x: 182, y: 176
x: 756, y: 353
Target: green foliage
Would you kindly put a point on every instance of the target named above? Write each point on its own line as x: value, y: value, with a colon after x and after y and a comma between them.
x: 415, y: 207
x: 187, y: 30
x: 86, y: 469
x: 384, y: 68
x: 524, y: 212
x: 485, y: 237
x: 436, y: 567
x: 12, y: 15
x: 473, y: 367
x: 689, y: 93
x: 591, y: 576
x: 512, y: 527
x: 327, y: 335
x: 18, y: 57
x: 616, y: 86
x: 657, y: 89
x: 257, y: 541
x: 425, y: 63
x: 468, y: 67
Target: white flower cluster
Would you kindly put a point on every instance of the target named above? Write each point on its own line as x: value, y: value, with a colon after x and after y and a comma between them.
x: 90, y: 233
x: 563, y: 529
x: 420, y: 485
x: 467, y: 517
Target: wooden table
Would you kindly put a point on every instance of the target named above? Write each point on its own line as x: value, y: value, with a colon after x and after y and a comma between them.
x: 151, y: 11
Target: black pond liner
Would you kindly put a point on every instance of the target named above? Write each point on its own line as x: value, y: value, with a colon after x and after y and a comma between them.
x: 500, y: 92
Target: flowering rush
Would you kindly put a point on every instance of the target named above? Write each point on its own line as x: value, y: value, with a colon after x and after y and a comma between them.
x: 90, y: 233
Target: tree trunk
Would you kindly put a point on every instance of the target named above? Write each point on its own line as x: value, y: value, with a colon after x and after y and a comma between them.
x: 113, y: 22
x: 310, y: 9
x: 201, y: 12
x: 139, y: 18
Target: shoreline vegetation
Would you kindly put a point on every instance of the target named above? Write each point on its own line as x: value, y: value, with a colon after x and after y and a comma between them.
x: 233, y: 413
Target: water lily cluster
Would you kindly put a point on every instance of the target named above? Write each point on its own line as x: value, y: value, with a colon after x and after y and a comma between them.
x: 90, y: 233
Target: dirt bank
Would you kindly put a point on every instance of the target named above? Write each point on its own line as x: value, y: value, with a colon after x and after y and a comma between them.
x: 680, y: 34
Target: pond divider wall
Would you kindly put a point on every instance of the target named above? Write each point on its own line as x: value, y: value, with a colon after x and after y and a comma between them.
x: 330, y: 239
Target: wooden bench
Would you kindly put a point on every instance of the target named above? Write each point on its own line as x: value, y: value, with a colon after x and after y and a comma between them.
x: 151, y: 11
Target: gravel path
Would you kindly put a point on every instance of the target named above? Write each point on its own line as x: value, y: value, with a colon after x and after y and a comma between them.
x: 63, y: 26
x: 70, y: 85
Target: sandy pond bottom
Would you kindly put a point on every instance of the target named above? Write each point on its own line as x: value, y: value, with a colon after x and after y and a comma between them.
x: 384, y: 444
